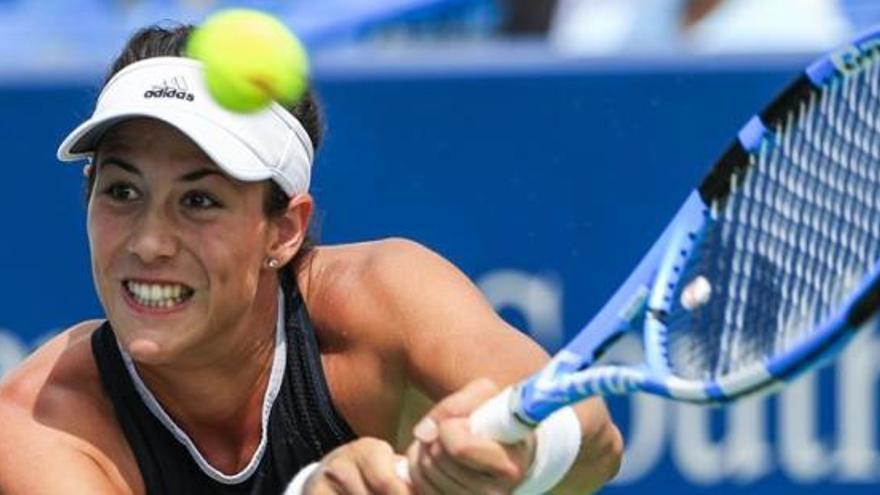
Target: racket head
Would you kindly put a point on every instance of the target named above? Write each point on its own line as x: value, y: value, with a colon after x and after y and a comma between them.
x: 775, y: 267
x: 783, y: 236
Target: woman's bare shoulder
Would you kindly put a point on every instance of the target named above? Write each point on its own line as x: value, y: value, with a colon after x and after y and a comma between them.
x: 418, y: 307
x: 349, y: 286
x: 355, y: 331
x: 65, y: 361
x: 56, y: 402
x: 58, y: 388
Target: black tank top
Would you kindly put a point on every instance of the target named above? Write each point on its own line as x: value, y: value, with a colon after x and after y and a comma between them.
x: 302, y: 425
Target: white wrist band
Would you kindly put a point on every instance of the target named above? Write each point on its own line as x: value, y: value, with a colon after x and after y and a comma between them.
x: 558, y: 442
x: 299, y: 481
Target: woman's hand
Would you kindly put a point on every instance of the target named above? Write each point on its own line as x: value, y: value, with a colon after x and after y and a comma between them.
x: 364, y: 466
x: 447, y: 458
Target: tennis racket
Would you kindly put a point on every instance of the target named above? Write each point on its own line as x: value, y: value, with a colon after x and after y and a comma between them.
x: 768, y: 268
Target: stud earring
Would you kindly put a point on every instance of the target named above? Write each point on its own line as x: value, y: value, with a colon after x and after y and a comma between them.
x: 272, y: 263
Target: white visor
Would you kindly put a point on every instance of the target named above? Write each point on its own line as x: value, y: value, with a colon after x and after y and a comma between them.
x: 267, y: 144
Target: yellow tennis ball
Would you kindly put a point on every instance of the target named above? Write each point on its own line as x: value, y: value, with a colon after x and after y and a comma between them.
x: 250, y: 59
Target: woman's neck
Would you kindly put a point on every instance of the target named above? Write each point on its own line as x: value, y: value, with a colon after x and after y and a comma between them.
x: 219, y: 403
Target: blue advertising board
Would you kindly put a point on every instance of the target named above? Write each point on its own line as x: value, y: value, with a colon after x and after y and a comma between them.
x: 545, y: 184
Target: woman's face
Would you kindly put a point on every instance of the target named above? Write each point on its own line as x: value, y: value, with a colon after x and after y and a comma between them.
x: 178, y: 247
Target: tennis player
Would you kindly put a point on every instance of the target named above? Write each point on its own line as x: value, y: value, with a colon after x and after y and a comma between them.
x: 235, y: 356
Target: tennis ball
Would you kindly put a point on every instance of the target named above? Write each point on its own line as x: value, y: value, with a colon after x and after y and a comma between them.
x: 250, y: 59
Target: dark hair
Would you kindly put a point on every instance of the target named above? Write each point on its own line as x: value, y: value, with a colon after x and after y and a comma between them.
x: 160, y: 41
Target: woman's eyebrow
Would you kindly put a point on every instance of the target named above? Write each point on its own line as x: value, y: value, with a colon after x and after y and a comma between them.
x: 198, y: 174
x: 128, y: 167
x: 118, y: 162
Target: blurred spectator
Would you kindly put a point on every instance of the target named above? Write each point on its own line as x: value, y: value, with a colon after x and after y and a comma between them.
x: 745, y: 26
x: 590, y: 27
x: 596, y: 27
x: 527, y: 17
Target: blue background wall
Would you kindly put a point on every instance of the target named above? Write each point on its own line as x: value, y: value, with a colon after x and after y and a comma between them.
x: 544, y: 182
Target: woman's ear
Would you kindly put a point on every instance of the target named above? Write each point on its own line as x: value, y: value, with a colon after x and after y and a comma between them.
x: 290, y: 228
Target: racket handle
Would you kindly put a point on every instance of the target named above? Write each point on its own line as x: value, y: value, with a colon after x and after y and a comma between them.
x: 494, y: 419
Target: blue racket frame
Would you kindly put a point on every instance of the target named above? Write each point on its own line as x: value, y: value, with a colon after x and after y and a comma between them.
x: 646, y: 295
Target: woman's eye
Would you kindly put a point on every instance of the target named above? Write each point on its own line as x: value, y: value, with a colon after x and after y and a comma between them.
x: 199, y: 200
x: 121, y: 192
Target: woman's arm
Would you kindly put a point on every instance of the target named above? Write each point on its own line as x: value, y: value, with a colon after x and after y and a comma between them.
x: 36, y: 459
x: 54, y: 436
x: 452, y: 336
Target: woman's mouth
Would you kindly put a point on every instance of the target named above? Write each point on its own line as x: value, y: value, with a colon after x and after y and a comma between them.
x: 158, y: 295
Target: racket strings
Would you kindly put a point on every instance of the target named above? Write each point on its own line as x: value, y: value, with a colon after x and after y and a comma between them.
x: 794, y: 237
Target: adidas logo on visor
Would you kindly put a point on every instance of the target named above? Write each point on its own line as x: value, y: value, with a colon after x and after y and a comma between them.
x: 176, y: 88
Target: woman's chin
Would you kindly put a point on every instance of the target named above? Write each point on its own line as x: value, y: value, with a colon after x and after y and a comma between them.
x: 147, y: 344
x: 145, y: 351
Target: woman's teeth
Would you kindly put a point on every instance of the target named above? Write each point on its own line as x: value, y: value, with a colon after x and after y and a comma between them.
x: 158, y: 295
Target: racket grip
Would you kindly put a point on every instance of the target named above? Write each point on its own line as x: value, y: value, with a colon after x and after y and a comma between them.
x: 495, y: 419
